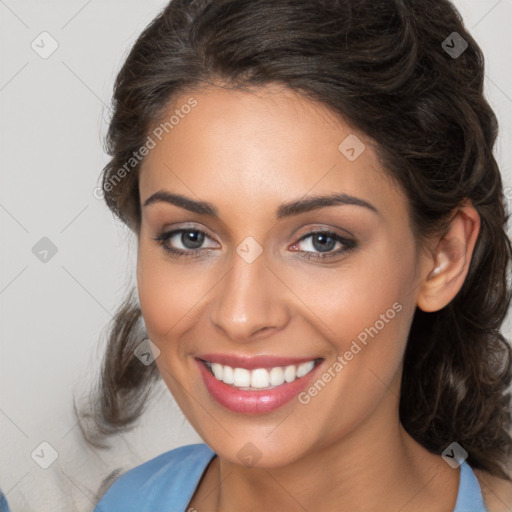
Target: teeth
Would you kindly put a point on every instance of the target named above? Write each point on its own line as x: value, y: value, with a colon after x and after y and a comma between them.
x: 276, y: 376
x: 290, y: 373
x: 242, y: 377
x: 217, y: 370
x: 229, y: 375
x: 259, y: 378
x: 305, y: 368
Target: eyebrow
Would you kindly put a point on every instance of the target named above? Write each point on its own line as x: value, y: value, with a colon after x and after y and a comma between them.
x: 285, y: 210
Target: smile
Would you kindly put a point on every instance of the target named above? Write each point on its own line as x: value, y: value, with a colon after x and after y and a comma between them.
x: 255, y: 385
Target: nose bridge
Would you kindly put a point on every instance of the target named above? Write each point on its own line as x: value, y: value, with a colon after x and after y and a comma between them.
x: 247, y: 299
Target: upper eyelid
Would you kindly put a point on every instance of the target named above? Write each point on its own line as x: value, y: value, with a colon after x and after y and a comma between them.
x: 174, y: 230
x: 331, y: 231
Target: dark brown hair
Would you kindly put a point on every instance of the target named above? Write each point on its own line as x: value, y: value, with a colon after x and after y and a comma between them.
x: 382, y: 67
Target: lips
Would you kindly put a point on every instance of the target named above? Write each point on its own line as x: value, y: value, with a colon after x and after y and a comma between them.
x: 255, y: 385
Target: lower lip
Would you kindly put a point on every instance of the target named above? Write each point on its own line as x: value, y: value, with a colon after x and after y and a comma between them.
x: 253, y: 402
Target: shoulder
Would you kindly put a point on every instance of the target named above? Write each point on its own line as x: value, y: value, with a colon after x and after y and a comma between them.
x: 497, y: 492
x: 170, y: 478
x: 4, y: 507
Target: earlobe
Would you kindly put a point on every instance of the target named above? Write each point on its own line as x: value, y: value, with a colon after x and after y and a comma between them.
x: 450, y: 261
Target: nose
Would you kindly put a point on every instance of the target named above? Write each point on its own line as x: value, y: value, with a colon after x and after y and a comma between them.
x: 248, y: 301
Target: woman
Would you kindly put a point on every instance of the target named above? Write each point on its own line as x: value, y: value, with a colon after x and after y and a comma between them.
x: 322, y: 259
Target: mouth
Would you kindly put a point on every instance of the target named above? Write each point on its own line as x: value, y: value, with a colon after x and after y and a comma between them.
x: 256, y: 385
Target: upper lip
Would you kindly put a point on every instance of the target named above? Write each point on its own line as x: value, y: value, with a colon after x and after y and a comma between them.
x: 253, y: 362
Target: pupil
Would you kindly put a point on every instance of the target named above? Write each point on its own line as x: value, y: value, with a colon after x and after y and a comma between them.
x: 192, y: 239
x: 323, y: 247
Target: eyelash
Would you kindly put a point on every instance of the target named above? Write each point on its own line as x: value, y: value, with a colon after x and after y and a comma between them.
x: 350, y: 245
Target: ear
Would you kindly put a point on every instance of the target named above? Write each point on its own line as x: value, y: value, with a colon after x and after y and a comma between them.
x: 445, y: 269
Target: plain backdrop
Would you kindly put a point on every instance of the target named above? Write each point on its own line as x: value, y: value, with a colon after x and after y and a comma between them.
x: 54, y: 114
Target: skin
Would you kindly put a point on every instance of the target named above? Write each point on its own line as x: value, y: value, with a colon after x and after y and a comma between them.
x: 247, y: 153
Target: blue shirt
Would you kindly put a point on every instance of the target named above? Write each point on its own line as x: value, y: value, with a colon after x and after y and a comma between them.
x: 4, y: 507
x: 168, y: 482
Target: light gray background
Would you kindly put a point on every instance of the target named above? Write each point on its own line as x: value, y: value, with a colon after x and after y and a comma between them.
x: 54, y: 115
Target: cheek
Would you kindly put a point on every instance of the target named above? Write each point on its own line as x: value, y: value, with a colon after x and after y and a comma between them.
x: 165, y: 292
x: 368, y: 288
x: 376, y: 309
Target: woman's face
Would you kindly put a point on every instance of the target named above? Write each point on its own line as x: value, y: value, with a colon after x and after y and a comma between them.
x: 276, y: 281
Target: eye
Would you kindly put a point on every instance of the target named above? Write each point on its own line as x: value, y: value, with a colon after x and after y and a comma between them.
x: 183, y: 242
x: 324, y: 242
x: 316, y: 245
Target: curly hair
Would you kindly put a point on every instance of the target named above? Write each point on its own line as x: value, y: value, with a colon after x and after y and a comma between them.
x: 382, y: 67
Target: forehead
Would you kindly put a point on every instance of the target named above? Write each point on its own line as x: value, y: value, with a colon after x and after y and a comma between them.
x: 260, y: 147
